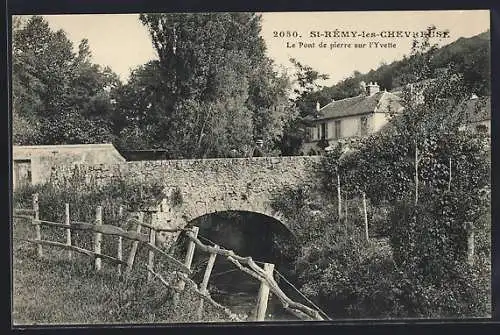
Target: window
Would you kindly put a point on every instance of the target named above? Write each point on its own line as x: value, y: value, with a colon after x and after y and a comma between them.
x: 324, y: 131
x: 364, y: 125
x: 337, y: 130
x: 318, y: 132
x: 310, y: 133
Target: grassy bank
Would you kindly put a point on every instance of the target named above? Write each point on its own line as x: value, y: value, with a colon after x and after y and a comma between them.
x: 53, y: 290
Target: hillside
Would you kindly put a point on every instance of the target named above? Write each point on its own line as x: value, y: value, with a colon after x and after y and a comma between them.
x: 471, y: 57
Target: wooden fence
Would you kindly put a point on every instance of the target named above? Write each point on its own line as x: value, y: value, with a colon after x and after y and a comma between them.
x: 181, y: 270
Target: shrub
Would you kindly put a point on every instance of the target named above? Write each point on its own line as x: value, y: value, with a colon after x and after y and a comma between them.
x: 346, y: 275
x: 83, y: 200
x: 429, y: 241
x: 334, y: 265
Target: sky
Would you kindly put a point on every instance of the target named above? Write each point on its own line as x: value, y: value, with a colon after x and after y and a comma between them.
x: 121, y: 42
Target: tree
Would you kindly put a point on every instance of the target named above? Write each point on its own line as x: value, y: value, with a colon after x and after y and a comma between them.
x: 433, y: 175
x: 470, y: 56
x: 211, y: 92
x: 307, y: 94
x: 307, y: 88
x: 62, y: 96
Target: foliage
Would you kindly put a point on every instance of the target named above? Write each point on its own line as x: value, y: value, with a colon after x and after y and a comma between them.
x: 85, y: 197
x: 61, y: 97
x: 210, y: 101
x: 418, y: 144
x: 335, y: 266
x: 176, y: 197
x: 429, y: 243
x: 433, y: 177
x: 306, y: 96
x: 470, y: 56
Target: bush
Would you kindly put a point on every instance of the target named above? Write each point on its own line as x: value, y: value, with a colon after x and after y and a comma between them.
x: 429, y: 243
x: 83, y: 200
x: 348, y: 276
x: 421, y: 273
x: 335, y: 266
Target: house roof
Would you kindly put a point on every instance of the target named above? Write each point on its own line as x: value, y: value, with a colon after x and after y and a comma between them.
x: 36, y: 150
x: 90, y: 146
x: 380, y: 102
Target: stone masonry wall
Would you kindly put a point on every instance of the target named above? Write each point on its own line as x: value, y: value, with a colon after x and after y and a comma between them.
x: 209, y: 185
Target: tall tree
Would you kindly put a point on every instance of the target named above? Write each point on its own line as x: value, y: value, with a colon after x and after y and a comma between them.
x: 63, y: 96
x: 307, y: 93
x: 211, y: 92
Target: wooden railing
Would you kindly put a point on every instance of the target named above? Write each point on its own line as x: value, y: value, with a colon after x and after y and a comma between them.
x: 181, y: 270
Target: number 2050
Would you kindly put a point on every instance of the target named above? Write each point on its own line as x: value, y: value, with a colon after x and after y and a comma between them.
x: 287, y: 33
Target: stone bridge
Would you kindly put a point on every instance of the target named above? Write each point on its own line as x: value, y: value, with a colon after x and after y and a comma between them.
x: 198, y: 187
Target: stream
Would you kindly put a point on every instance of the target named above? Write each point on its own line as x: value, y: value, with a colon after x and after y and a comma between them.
x: 238, y: 291
x: 247, y: 234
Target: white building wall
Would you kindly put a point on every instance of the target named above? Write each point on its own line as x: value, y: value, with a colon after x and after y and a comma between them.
x: 350, y: 126
x: 44, y: 158
x: 379, y: 120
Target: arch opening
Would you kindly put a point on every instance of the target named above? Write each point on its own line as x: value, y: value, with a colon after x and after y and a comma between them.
x: 257, y: 235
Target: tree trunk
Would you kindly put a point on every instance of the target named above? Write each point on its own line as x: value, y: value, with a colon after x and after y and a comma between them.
x: 449, y: 176
x: 345, y: 209
x: 470, y: 246
x: 365, y: 215
x: 339, y: 196
x: 416, y: 173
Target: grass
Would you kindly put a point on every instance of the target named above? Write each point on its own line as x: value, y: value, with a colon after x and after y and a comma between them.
x: 55, y: 291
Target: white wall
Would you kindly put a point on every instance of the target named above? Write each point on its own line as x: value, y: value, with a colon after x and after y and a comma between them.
x: 44, y: 158
x: 351, y: 126
x: 379, y: 120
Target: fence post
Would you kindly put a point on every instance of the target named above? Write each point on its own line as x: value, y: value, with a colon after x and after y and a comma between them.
x: 38, y: 231
x: 120, y: 243
x: 365, y: 214
x: 152, y: 241
x: 263, y: 294
x: 68, y: 230
x: 206, y: 277
x: 135, y: 245
x: 187, y: 261
x: 190, y: 252
x: 98, y: 237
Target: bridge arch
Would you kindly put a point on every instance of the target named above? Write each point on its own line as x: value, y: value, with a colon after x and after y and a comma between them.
x: 248, y: 234
x: 276, y: 216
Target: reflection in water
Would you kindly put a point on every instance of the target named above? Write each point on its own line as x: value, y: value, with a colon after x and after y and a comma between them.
x: 247, y: 234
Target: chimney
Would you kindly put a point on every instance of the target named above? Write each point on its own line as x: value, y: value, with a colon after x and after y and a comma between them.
x: 372, y: 88
x: 317, y: 107
x: 362, y: 87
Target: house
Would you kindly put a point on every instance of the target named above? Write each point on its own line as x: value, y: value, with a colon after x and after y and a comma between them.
x: 369, y: 112
x: 351, y: 117
x: 33, y: 164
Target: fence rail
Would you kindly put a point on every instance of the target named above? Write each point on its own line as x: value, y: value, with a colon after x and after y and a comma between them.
x: 182, y: 270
